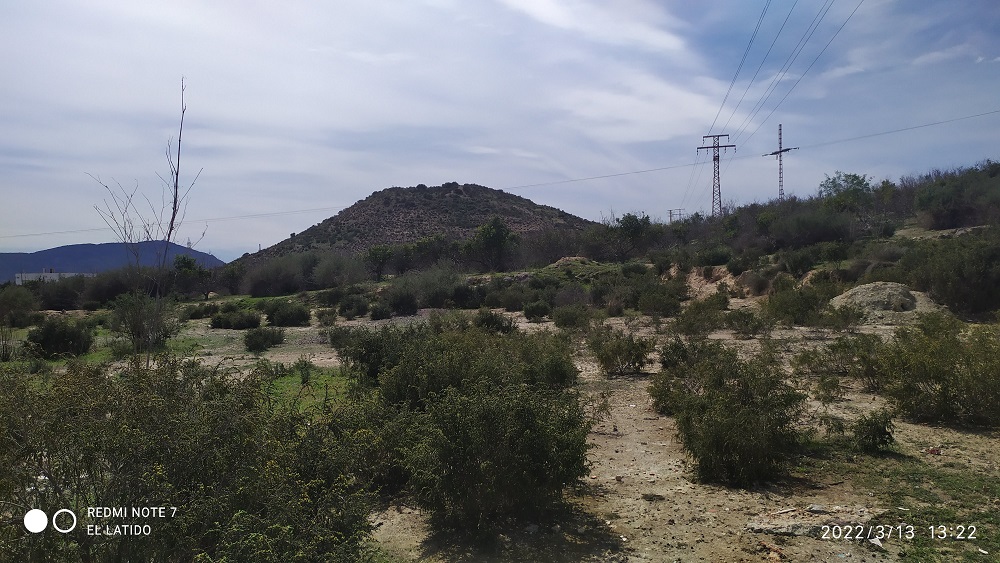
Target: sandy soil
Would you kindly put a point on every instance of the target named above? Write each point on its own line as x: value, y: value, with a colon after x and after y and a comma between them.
x: 640, y: 502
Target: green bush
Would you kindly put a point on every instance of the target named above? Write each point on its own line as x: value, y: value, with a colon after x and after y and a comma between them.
x: 658, y: 302
x: 537, y: 311
x: 281, y: 312
x: 497, y: 451
x: 201, y: 310
x: 477, y: 424
x: 192, y: 436
x: 619, y: 352
x: 240, y: 319
x: 466, y: 296
x: 941, y: 371
x: 380, y: 311
x: 493, y: 321
x: 402, y: 301
x: 572, y: 317
x: 367, y: 351
x: 735, y: 417
x: 326, y: 317
x: 700, y: 318
x: 746, y: 323
x: 873, y: 432
x: 797, y: 306
x: 353, y: 306
x: 61, y: 337
x: 854, y: 356
x: 259, y: 340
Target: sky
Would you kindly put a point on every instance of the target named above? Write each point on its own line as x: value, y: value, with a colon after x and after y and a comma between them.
x: 298, y: 109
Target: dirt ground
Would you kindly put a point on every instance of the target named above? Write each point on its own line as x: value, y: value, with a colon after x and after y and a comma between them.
x: 644, y: 504
x: 641, y: 502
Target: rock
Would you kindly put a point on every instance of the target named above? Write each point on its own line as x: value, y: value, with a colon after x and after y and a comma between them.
x: 531, y: 528
x: 652, y: 497
x: 817, y: 509
x: 784, y: 528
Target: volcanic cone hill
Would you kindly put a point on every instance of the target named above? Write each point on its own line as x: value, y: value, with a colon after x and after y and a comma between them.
x: 404, y: 215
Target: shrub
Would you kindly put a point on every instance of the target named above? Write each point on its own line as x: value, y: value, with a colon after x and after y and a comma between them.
x: 259, y: 340
x: 326, y: 317
x: 201, y: 310
x: 571, y: 317
x: 369, y: 350
x: 330, y: 297
x: 854, y: 356
x: 795, y: 306
x: 658, y: 302
x: 936, y: 371
x: 746, y: 323
x: 466, y: 296
x: 699, y: 318
x: 497, y: 451
x: 240, y: 319
x: 494, y: 321
x: 537, y: 311
x: 7, y: 349
x: 619, y: 352
x: 380, y: 310
x: 191, y: 436
x: 142, y: 321
x: 281, y: 312
x: 735, y: 417
x: 633, y: 269
x: 353, y: 306
x: 840, y: 318
x: 61, y: 337
x: 402, y: 301
x: 873, y: 432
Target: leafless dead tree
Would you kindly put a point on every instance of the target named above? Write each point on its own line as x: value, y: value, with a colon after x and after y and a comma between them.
x: 142, y: 313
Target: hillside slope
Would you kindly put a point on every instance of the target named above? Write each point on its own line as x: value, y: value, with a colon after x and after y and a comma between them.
x: 402, y: 215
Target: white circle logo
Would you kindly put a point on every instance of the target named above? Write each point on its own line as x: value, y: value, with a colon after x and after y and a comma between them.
x: 56, y: 515
x: 35, y: 520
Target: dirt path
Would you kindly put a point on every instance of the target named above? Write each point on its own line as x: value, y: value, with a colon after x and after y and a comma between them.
x: 643, y: 505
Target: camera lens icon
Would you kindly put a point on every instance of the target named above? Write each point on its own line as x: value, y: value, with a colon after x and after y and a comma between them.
x: 35, y: 521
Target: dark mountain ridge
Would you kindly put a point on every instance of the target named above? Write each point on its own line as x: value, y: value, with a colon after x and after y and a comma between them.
x: 94, y: 258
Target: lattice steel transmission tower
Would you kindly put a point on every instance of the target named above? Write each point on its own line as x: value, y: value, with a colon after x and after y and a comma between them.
x: 716, y: 189
x: 781, y: 171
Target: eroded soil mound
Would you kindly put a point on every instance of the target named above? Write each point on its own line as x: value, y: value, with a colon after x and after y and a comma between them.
x: 887, y: 302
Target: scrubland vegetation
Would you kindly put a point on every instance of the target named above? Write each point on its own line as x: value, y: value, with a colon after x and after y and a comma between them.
x: 472, y: 376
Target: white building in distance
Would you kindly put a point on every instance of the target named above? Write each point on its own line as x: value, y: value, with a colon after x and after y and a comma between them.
x: 50, y: 275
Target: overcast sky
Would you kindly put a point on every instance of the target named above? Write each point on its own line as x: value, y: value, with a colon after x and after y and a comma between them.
x: 308, y: 106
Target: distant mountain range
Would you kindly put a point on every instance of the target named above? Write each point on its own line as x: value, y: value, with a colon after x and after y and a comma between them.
x: 404, y: 215
x: 93, y: 258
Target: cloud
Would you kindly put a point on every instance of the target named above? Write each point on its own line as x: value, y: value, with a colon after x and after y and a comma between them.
x: 616, y: 24
x: 942, y: 55
x: 317, y: 104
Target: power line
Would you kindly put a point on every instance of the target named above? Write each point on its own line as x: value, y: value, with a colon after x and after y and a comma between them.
x: 761, y: 65
x: 210, y: 220
x: 740, y: 67
x: 789, y: 61
x: 841, y: 28
x: 539, y: 184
